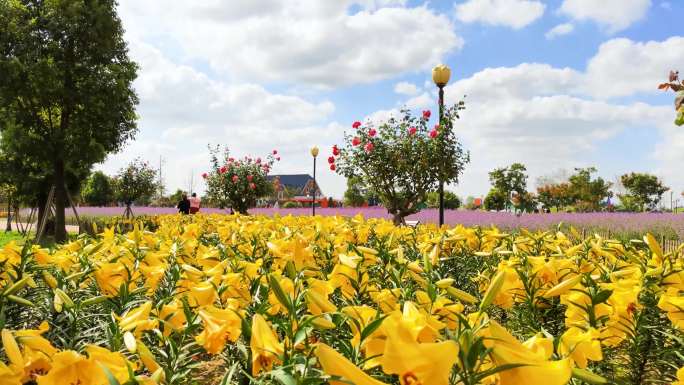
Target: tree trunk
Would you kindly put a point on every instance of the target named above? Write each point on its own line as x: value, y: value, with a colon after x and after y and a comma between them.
x: 8, y: 228
x: 398, y: 219
x: 60, y: 199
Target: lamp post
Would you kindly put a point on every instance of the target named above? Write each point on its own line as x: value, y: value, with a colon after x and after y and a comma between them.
x: 314, y: 154
x: 441, y: 75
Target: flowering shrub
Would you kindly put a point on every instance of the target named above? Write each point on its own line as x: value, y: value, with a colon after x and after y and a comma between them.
x: 238, y: 183
x: 402, y: 159
x: 674, y: 84
x: 302, y: 300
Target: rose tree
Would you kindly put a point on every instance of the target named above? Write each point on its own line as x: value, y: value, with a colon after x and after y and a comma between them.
x: 238, y: 183
x: 135, y: 182
x: 674, y: 84
x: 402, y: 159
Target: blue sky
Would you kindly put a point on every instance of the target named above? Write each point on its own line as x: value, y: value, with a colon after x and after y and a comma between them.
x: 259, y: 75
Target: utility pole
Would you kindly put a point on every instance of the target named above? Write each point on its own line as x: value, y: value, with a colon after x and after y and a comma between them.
x: 161, y: 180
x: 192, y: 181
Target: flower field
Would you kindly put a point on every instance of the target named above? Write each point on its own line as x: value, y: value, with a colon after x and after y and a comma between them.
x: 217, y: 299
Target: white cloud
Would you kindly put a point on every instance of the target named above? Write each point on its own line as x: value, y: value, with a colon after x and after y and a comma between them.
x: 312, y: 42
x: 560, y: 30
x: 615, y: 15
x: 510, y: 13
x: 623, y: 67
x: 406, y: 88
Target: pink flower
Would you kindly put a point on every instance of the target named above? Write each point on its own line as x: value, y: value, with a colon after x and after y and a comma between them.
x: 412, y: 131
x: 426, y: 114
x: 372, y: 132
x: 258, y: 160
x: 332, y: 167
x: 252, y: 186
x: 223, y: 169
x: 231, y: 160
x: 433, y: 134
x: 204, y: 175
x: 437, y: 127
x: 331, y: 159
x: 235, y: 178
x: 369, y: 147
x: 249, y: 178
x: 336, y: 151
x: 356, y: 125
x: 275, y: 152
x: 278, y: 158
x: 356, y: 141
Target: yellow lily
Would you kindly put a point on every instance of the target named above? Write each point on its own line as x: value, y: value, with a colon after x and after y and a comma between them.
x: 335, y: 364
x: 266, y: 349
x: 220, y: 326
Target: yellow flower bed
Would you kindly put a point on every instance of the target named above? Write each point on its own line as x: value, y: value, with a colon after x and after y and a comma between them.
x: 301, y: 300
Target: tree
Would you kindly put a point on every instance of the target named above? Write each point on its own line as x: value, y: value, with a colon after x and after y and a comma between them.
x: 674, y: 84
x: 496, y: 200
x: 135, y: 182
x: 98, y: 190
x: 401, y: 160
x: 587, y: 193
x: 451, y: 200
x: 643, y: 191
x: 509, y: 180
x: 66, y: 95
x: 554, y: 195
x: 355, y: 195
x: 238, y: 183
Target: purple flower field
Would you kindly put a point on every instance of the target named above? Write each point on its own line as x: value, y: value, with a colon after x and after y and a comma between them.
x: 672, y: 224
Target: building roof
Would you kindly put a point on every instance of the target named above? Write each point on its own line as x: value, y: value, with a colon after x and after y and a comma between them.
x: 293, y: 180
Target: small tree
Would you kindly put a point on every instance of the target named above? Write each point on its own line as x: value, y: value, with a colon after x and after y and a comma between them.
x: 644, y: 191
x: 554, y: 195
x: 355, y: 194
x: 451, y: 200
x: 402, y: 159
x: 98, y: 190
x: 238, y: 183
x: 509, y: 180
x: 587, y: 193
x: 677, y: 87
x: 135, y: 182
x: 496, y: 200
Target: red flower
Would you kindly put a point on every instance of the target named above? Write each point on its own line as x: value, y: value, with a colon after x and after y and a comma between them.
x: 235, y: 178
x: 412, y: 131
x: 356, y: 125
x: 231, y: 160
x: 426, y: 114
x: 336, y: 151
x: 331, y: 159
x: 222, y: 170
x: 332, y: 167
x: 204, y: 175
x: 372, y: 132
x: 249, y: 178
x: 369, y: 147
x: 433, y: 134
x: 356, y: 141
x: 252, y: 186
x: 437, y: 127
x: 275, y: 152
x: 258, y: 160
x: 278, y: 158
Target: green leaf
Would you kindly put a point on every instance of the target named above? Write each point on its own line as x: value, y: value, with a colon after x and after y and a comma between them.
x: 284, y: 378
x: 283, y: 298
x: 371, y: 327
x: 110, y: 377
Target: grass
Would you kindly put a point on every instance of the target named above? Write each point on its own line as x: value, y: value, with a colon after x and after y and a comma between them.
x: 6, y: 238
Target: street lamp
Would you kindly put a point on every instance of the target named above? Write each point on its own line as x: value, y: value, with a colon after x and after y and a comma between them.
x: 314, y: 154
x: 441, y: 75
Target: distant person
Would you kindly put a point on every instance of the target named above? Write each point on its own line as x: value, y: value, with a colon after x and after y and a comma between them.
x: 184, y: 205
x: 195, y: 202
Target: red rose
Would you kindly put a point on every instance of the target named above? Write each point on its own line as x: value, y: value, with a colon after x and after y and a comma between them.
x: 204, y: 175
x: 222, y: 170
x: 258, y: 160
x: 356, y: 125
x: 336, y: 151
x: 252, y: 186
x: 372, y: 132
x: 231, y: 160
x: 332, y: 167
x: 437, y: 127
x: 249, y: 178
x: 331, y: 159
x: 235, y: 178
x: 356, y: 141
x: 278, y: 158
x: 275, y: 152
x: 426, y: 114
x: 369, y: 147
x: 412, y: 131
x: 434, y: 133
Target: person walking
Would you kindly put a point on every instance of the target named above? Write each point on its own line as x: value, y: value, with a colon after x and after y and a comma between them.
x: 184, y: 205
x: 195, y: 203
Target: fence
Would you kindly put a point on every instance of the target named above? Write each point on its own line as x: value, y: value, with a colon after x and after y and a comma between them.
x: 667, y: 244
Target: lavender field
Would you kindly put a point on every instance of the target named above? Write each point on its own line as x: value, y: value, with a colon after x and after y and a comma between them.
x: 670, y: 225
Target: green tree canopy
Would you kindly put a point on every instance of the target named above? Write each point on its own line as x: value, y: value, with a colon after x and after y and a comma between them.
x: 451, y: 200
x: 509, y: 180
x: 587, y: 193
x: 98, y: 190
x: 643, y: 191
x: 496, y: 200
x: 66, y: 95
x: 356, y: 193
x: 136, y: 182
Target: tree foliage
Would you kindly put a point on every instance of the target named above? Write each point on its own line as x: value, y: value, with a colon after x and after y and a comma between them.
x: 402, y: 159
x: 136, y: 182
x: 98, y: 190
x: 451, y: 200
x: 238, y: 183
x: 587, y: 193
x: 509, y: 180
x: 675, y: 85
x: 66, y: 95
x: 644, y: 191
x: 555, y: 195
x: 356, y: 194
x: 496, y: 200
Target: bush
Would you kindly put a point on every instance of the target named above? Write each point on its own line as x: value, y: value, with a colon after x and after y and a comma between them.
x: 291, y: 205
x: 451, y: 200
